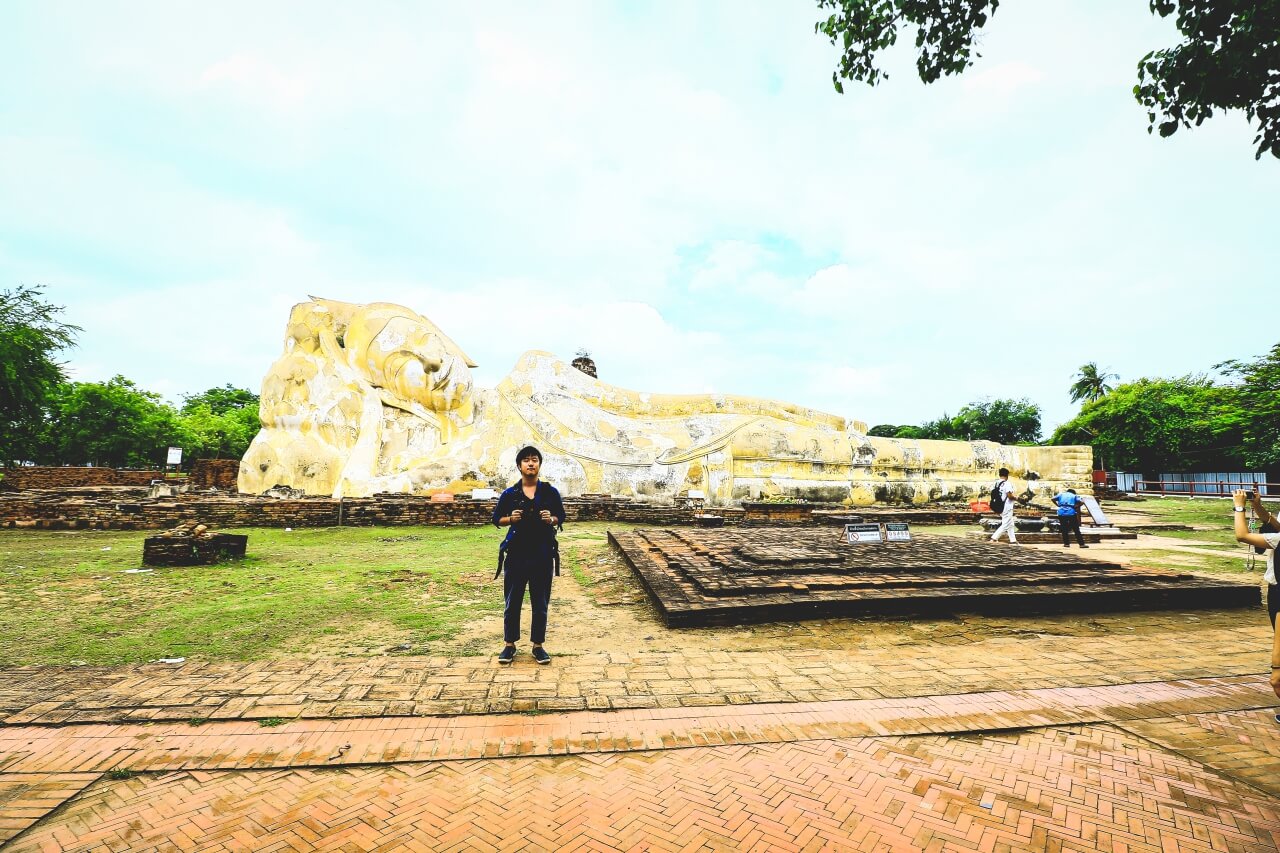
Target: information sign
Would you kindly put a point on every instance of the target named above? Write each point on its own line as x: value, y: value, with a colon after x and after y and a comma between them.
x: 860, y: 533
x: 897, y: 531
x: 175, y: 456
x: 1095, y: 512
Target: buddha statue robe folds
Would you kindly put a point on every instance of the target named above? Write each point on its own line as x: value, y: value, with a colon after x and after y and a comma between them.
x: 375, y: 398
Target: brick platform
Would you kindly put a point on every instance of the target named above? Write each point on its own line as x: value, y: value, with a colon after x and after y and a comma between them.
x: 719, y: 577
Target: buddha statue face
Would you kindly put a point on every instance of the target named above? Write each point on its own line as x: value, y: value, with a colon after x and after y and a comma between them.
x: 402, y: 353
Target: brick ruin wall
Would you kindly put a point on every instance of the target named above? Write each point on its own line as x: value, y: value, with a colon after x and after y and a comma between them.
x: 53, y: 477
x: 214, y: 474
x: 130, y: 509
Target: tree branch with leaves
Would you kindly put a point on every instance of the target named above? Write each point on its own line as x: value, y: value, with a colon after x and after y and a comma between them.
x: 1229, y: 58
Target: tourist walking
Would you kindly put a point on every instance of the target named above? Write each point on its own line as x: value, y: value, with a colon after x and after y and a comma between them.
x: 1003, y: 491
x: 529, y: 554
x: 1069, y: 517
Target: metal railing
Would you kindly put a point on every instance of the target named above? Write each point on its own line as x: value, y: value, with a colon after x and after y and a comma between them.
x: 1202, y: 488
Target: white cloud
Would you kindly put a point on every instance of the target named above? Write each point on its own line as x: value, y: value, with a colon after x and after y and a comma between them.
x: 573, y: 154
x: 1003, y: 80
x: 256, y: 78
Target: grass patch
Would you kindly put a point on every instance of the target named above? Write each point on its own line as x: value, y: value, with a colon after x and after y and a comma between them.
x: 67, y: 595
x: 271, y: 722
x: 1227, y: 564
x: 1208, y: 512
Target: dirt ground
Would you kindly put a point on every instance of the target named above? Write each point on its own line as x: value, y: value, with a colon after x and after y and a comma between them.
x: 612, y: 613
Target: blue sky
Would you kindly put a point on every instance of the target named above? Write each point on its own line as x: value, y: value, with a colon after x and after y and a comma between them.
x: 673, y: 186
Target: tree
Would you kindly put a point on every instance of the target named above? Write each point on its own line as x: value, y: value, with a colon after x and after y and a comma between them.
x: 1003, y: 421
x: 1258, y: 410
x: 1155, y: 425
x: 220, y: 400
x: 214, y: 435
x: 31, y: 335
x: 1227, y: 60
x: 1091, y: 383
x: 219, y: 423
x: 114, y: 424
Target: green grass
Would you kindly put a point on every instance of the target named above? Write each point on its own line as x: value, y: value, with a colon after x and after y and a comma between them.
x: 1214, y: 512
x: 1227, y: 564
x: 65, y: 596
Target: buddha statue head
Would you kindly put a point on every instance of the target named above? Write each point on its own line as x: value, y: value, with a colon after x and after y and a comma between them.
x: 402, y: 353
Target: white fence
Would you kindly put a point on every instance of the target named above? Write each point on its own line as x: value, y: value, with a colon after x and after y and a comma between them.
x: 1214, y: 484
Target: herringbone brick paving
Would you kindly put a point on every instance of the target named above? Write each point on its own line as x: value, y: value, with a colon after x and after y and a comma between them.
x: 1172, y: 646
x: 1243, y: 744
x: 243, y: 745
x: 25, y: 798
x: 784, y: 777
x: 1078, y: 789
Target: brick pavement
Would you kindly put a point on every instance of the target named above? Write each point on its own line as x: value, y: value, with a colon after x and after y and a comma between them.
x: 1164, y: 646
x: 1083, y: 789
x: 1083, y: 770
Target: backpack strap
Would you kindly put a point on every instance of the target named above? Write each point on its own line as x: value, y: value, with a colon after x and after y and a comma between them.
x: 502, y: 551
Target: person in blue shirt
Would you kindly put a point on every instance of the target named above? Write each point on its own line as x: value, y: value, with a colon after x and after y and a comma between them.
x: 1069, y: 517
x: 529, y: 554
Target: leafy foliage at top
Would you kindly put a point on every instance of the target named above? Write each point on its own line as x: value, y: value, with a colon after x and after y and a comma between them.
x: 1189, y: 423
x: 1003, y: 421
x: 31, y: 336
x: 1154, y: 425
x: 1258, y: 407
x: 944, y: 34
x: 1091, y: 383
x: 220, y: 401
x: 1229, y: 58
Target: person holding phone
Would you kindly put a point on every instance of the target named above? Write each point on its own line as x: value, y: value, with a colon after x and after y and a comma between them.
x: 529, y: 555
x: 1269, y: 541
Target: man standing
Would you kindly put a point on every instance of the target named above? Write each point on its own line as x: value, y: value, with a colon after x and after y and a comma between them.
x: 533, y: 510
x: 1005, y: 490
x: 1069, y: 517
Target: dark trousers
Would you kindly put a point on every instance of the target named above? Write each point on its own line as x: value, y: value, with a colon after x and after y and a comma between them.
x: 1069, y: 524
x: 515, y: 577
x: 1273, y: 602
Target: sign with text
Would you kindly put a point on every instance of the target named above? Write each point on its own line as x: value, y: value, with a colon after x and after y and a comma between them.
x: 1095, y: 512
x: 897, y: 531
x: 175, y: 456
x: 861, y: 533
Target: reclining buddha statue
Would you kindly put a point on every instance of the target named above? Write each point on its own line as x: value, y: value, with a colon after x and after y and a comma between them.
x: 375, y: 398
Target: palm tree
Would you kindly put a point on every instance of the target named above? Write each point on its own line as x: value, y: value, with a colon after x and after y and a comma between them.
x: 1091, y: 383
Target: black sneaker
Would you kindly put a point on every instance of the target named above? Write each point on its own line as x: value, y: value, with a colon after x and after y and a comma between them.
x: 1084, y: 546
x: 507, y: 653
x: 540, y: 655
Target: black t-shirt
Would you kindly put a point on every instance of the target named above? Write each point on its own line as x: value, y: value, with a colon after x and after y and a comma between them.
x: 531, y: 537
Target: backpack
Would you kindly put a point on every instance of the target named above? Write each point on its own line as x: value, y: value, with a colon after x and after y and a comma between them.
x: 996, y: 501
